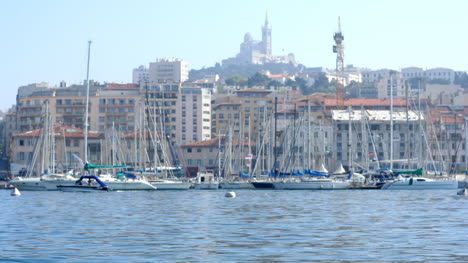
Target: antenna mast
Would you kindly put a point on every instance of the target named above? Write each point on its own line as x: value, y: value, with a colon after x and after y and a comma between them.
x: 338, y: 48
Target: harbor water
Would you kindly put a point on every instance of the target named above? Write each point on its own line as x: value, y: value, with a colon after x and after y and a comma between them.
x: 256, y: 226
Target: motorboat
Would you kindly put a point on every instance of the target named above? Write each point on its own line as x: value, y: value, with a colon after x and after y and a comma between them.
x: 86, y: 183
x: 205, y: 181
x: 46, y: 182
x: 421, y: 183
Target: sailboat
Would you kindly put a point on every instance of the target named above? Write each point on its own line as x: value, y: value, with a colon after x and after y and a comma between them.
x: 43, y: 156
x: 414, y: 181
x: 112, y: 182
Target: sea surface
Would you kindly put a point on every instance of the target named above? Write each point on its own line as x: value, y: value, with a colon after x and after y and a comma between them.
x: 256, y: 226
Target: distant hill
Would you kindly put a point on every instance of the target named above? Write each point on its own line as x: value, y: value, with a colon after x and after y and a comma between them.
x: 244, y: 71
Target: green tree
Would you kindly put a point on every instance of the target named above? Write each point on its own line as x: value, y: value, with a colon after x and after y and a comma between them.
x: 258, y: 80
x: 236, y: 80
x: 462, y: 80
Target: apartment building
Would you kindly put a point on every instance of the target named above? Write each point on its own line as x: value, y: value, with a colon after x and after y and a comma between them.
x: 368, y: 144
x: 193, y: 115
x: 58, y: 150
x: 140, y: 74
x: 431, y: 74
x: 116, y: 107
x: 447, y: 132
x: 168, y: 71
x: 243, y: 113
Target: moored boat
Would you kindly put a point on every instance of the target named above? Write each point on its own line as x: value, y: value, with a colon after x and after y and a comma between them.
x: 205, y: 181
x: 421, y: 183
x: 93, y: 184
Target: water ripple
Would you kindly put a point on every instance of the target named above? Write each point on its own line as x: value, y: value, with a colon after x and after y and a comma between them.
x: 257, y: 226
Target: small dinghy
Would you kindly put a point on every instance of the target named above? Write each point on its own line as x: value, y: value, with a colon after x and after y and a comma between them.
x: 86, y: 183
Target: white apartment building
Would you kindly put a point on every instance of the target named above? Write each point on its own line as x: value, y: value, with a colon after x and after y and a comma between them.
x: 372, y: 76
x: 168, y: 71
x: 140, y: 74
x: 394, y: 83
x: 372, y: 144
x: 193, y: 117
x: 432, y: 74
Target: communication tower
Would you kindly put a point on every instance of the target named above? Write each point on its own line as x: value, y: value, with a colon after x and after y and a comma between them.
x: 338, y: 48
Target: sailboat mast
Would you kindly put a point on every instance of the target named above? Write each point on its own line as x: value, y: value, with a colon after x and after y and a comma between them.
x: 420, y: 128
x: 87, y: 107
x: 350, y: 141
x: 308, y: 135
x: 391, y: 120
x: 274, y: 134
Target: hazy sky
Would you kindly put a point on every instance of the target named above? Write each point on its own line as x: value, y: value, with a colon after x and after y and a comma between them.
x: 47, y: 40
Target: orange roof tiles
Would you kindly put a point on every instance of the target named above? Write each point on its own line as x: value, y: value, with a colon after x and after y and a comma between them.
x: 121, y: 86
x: 60, y: 131
x: 206, y: 143
x: 254, y: 90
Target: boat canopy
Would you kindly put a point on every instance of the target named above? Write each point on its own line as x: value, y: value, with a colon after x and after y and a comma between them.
x: 244, y: 175
x: 314, y: 173
x: 89, y: 166
x: 101, y: 183
x: 413, y: 172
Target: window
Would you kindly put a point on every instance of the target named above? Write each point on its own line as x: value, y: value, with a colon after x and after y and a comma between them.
x: 30, y: 142
x: 76, y: 143
x: 21, y: 156
x: 21, y: 142
x: 67, y: 142
x: 199, y: 150
x: 189, y: 150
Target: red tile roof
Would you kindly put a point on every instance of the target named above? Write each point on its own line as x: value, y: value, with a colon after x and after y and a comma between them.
x: 278, y: 76
x: 121, y: 86
x: 254, y: 90
x: 60, y: 131
x: 206, y: 143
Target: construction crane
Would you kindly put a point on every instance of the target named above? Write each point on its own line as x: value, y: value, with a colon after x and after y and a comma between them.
x: 338, y: 48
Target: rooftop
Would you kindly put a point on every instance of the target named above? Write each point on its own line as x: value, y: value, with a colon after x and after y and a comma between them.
x: 374, y: 115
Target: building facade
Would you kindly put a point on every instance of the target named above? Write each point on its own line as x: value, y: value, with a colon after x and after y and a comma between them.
x: 168, y: 71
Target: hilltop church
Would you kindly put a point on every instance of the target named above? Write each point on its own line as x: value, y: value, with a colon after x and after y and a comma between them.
x: 258, y: 52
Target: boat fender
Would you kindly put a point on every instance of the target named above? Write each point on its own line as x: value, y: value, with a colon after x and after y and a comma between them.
x: 230, y: 194
x: 15, y: 192
x: 411, y: 181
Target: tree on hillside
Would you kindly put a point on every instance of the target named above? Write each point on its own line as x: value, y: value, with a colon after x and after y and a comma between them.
x: 321, y: 84
x: 461, y: 80
x: 236, y: 80
x: 258, y: 80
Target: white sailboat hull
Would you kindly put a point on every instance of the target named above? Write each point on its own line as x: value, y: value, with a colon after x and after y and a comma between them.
x: 421, y: 184
x: 170, y: 185
x: 312, y: 185
x: 36, y: 184
x: 80, y: 188
x: 236, y: 185
x: 129, y: 185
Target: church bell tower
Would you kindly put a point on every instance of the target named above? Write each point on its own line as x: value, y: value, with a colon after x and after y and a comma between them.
x: 266, y: 37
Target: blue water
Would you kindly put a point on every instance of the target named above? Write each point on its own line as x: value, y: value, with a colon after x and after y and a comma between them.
x: 256, y: 226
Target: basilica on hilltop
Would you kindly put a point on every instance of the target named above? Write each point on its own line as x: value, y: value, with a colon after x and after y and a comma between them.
x: 258, y: 52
